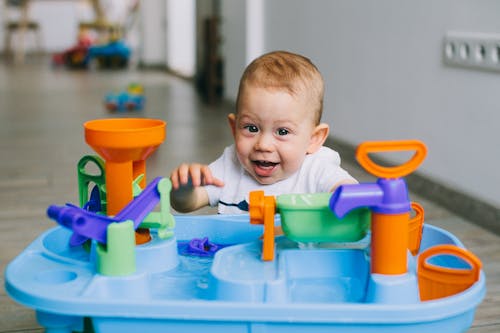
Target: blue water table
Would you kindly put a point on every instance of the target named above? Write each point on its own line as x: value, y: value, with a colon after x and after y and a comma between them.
x: 358, y: 260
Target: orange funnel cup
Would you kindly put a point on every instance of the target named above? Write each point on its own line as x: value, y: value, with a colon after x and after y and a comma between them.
x: 125, y: 144
x: 445, y: 270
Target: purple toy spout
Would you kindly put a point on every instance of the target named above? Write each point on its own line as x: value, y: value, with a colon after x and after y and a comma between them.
x: 349, y: 197
x: 83, y: 223
x: 388, y: 196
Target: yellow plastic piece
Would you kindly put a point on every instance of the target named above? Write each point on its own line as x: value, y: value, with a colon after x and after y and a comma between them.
x: 438, y: 281
x: 364, y: 149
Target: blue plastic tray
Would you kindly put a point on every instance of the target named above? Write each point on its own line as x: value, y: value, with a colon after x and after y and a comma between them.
x: 319, y: 290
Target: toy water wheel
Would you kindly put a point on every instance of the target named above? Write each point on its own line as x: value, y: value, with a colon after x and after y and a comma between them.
x: 262, y: 209
x: 366, y: 148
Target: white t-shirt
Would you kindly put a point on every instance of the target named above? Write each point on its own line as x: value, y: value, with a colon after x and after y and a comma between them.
x: 319, y: 173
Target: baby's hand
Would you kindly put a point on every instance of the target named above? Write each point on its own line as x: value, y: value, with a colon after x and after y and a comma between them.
x: 199, y: 174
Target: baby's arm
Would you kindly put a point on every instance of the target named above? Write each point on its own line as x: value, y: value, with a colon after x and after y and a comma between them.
x: 344, y: 182
x: 188, y: 181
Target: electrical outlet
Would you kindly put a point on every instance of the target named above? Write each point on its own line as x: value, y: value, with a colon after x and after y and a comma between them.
x: 472, y: 50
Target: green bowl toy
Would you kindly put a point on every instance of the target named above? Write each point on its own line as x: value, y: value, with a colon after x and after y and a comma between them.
x: 307, y: 218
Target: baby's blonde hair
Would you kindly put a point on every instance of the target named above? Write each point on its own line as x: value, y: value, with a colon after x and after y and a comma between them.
x: 288, y: 71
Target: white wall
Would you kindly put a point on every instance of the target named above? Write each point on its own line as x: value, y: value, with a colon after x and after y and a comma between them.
x: 385, y: 78
x: 152, y: 26
x: 180, y: 39
x: 234, y: 43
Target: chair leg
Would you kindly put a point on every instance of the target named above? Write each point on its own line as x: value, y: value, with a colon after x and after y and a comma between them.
x: 8, y: 43
x: 38, y: 41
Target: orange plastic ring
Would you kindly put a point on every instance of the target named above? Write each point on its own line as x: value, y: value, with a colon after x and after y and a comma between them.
x: 364, y: 149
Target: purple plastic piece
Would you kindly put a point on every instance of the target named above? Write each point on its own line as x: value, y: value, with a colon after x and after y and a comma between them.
x: 202, y: 246
x: 388, y: 196
x: 87, y: 224
x: 82, y: 222
x: 94, y: 203
x: 139, y: 208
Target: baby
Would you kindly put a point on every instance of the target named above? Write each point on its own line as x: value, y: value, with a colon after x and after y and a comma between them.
x: 278, y: 141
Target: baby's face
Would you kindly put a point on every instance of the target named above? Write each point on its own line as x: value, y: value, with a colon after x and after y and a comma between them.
x: 273, y: 132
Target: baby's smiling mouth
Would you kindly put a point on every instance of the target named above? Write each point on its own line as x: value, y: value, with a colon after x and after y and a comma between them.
x: 264, y: 168
x: 265, y: 164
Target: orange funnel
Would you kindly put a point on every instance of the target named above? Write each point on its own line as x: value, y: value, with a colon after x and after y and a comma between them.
x: 125, y: 144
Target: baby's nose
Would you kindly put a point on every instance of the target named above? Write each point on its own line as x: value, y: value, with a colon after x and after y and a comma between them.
x: 264, y: 143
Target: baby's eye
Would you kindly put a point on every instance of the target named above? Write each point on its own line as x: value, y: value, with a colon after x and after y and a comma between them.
x: 282, y: 131
x: 251, y: 128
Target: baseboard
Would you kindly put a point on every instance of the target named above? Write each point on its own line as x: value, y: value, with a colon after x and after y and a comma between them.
x: 464, y: 205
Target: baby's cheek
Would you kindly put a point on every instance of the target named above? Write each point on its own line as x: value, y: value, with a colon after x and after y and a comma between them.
x: 293, y: 163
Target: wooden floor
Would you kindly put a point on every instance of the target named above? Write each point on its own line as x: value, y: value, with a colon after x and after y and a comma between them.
x: 41, y: 139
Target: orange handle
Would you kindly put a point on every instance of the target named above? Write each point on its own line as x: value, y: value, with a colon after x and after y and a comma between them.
x: 438, y: 281
x: 415, y: 226
x: 262, y: 209
x: 364, y: 149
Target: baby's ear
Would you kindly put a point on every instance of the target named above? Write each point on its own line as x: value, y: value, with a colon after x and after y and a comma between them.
x: 231, y: 119
x: 318, y: 137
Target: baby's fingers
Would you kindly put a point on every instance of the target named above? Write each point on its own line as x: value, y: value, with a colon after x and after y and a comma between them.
x: 208, y: 178
x: 180, y: 176
x: 196, y: 174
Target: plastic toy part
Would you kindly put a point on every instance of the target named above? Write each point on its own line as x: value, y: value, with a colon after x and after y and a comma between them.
x: 163, y: 220
x: 389, y: 243
x: 86, y: 225
x: 94, y: 203
x: 390, y: 206
x: 125, y: 144
x: 85, y: 178
x: 306, y: 218
x: 387, y: 196
x: 200, y: 247
x: 256, y: 207
x: 446, y: 270
x: 389, y: 202
x: 262, y: 209
x: 117, y: 256
x: 364, y: 149
x: 415, y: 227
x: 95, y: 226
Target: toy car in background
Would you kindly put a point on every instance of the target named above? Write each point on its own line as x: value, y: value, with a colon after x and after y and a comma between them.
x: 130, y: 100
x: 114, y: 55
x: 75, y: 57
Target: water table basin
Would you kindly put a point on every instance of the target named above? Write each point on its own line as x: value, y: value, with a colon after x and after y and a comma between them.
x: 319, y: 290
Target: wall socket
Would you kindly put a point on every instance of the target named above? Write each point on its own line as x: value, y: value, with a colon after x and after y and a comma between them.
x: 472, y: 50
